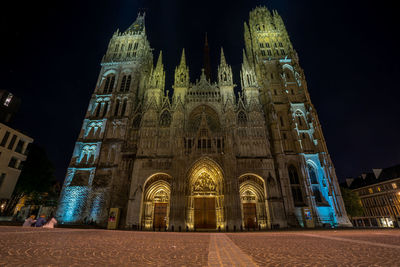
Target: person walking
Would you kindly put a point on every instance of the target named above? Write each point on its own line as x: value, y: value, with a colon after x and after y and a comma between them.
x: 29, y: 221
x: 50, y: 224
x: 41, y: 221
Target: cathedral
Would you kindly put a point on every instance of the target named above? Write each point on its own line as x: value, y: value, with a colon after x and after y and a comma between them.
x: 208, y: 156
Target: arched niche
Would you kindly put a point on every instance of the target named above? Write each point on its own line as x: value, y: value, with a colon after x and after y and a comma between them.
x: 253, y: 201
x: 156, y: 201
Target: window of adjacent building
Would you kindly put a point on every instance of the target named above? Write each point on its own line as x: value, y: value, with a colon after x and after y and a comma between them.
x: 20, y: 146
x: 394, y: 185
x: 136, y: 46
x: 280, y: 44
x: 5, y: 139
x: 263, y: 53
x: 13, y: 162
x: 261, y: 45
x: 2, y: 178
x: 8, y: 100
x: 12, y: 142
x: 269, y: 52
x: 370, y: 190
x: 267, y: 45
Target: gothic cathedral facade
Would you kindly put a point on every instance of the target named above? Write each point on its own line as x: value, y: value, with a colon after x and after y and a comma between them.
x: 205, y: 158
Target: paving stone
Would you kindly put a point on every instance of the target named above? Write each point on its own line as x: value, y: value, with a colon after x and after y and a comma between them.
x: 84, y: 247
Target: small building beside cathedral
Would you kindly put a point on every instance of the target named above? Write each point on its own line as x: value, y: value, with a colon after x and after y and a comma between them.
x: 205, y: 158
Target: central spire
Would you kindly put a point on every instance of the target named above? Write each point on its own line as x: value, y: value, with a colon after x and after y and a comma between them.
x: 207, y: 65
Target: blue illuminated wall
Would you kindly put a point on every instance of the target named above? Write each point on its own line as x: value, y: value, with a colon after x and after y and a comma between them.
x: 326, y: 214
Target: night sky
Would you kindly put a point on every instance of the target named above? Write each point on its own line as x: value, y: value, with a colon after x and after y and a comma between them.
x: 51, y: 51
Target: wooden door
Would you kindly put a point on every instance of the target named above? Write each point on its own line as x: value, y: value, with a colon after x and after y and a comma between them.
x: 204, y: 213
x: 250, y: 215
x: 160, y: 215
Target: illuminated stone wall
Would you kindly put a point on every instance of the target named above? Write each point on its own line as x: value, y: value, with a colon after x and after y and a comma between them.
x: 144, y: 152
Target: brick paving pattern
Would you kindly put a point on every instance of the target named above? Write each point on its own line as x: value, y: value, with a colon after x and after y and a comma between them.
x: 80, y: 247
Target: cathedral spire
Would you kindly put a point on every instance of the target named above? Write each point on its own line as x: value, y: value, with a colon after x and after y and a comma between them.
x: 223, y: 60
x: 159, y: 65
x: 183, y: 59
x: 181, y: 79
x: 138, y: 26
x: 207, y: 65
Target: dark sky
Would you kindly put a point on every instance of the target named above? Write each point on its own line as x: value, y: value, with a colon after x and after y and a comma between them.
x: 51, y: 52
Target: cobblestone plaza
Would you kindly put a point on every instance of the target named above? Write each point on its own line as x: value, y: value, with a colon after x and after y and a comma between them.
x: 82, y: 247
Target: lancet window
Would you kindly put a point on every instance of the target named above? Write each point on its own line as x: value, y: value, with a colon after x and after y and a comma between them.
x: 125, y: 83
x: 109, y: 84
x: 88, y: 154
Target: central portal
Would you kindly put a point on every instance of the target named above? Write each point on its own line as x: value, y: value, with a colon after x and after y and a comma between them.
x: 204, y: 213
x: 205, y: 196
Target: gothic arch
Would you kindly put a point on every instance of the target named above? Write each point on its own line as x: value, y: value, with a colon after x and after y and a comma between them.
x: 242, y: 118
x: 165, y: 118
x: 212, y: 117
x: 205, y: 194
x: 156, y: 201
x: 253, y: 201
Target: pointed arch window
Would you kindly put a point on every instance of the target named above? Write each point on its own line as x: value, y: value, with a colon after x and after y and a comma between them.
x: 165, y: 119
x: 109, y: 84
x: 98, y: 108
x: 123, y: 83
x: 242, y: 118
x: 313, y: 174
x: 128, y: 83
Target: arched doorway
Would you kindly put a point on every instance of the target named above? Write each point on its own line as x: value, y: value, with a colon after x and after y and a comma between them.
x: 205, y: 207
x: 252, y: 197
x: 156, y: 202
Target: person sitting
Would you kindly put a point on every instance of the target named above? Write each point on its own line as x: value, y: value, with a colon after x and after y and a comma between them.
x: 50, y: 224
x: 29, y: 221
x: 41, y: 221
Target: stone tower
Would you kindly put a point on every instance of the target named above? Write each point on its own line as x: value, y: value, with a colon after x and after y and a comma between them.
x: 206, y: 158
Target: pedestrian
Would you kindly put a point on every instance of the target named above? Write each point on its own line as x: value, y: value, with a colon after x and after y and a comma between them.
x: 50, y: 224
x: 29, y: 221
x: 41, y: 221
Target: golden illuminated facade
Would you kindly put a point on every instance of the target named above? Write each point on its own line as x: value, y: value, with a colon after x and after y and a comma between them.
x: 206, y: 158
